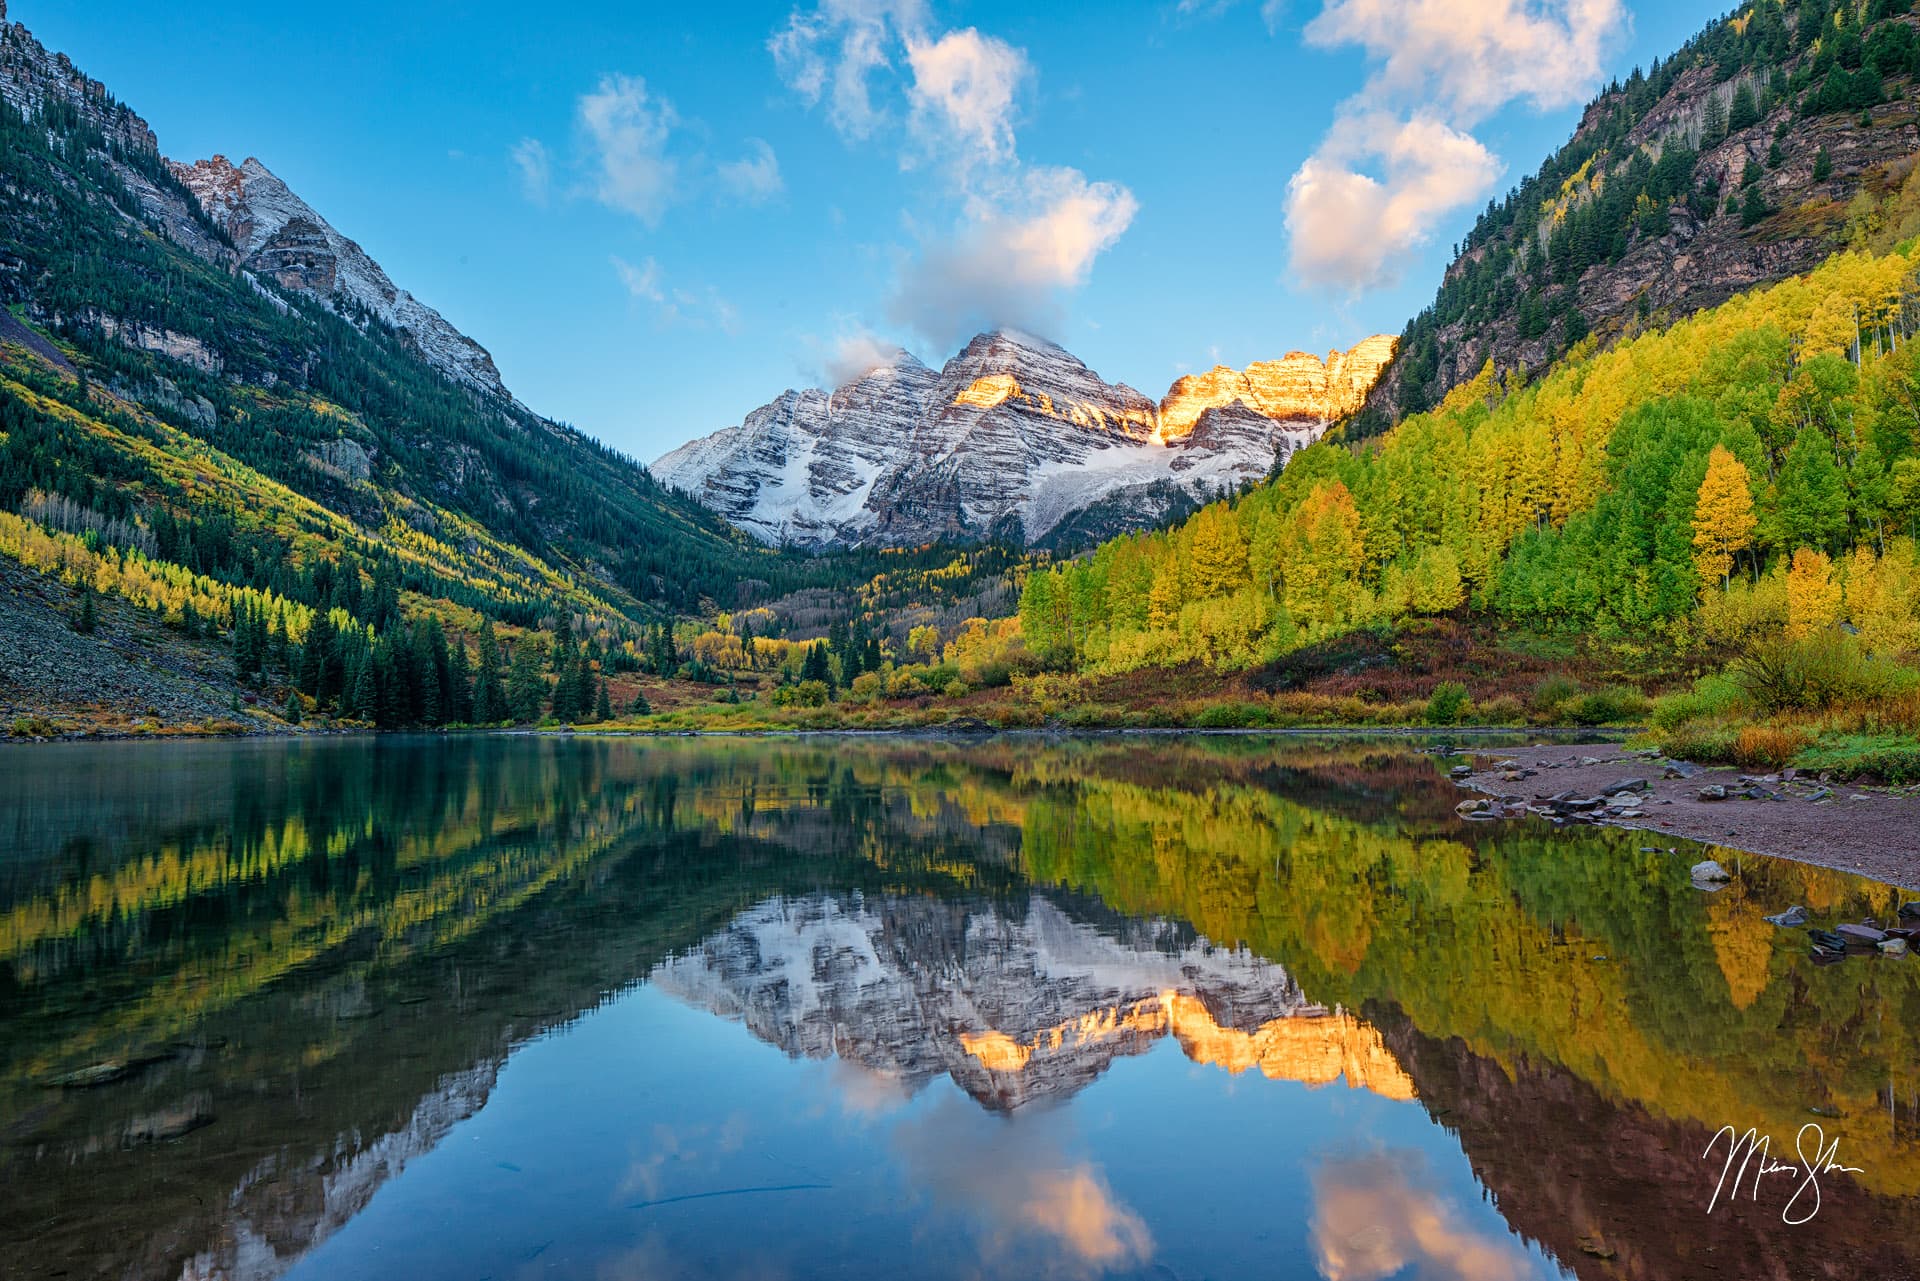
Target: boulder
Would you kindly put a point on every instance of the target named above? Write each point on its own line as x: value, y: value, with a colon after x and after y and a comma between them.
x: 1713, y: 792
x: 1795, y: 915
x: 1710, y: 870
x: 1866, y: 934
x: 1893, y: 947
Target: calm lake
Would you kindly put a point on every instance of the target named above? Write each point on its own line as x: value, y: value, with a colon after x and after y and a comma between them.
x: 1178, y: 1007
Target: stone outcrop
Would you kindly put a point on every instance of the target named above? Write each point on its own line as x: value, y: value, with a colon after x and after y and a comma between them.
x: 1014, y: 437
x: 1702, y: 254
x: 282, y: 239
x: 1299, y: 387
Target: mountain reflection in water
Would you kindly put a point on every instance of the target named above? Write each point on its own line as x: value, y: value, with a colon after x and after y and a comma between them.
x: 446, y: 1007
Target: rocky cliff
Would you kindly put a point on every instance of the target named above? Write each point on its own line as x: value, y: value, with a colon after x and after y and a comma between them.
x: 1014, y: 437
x: 1769, y: 140
x: 1016, y: 1009
x: 280, y: 238
x: 1299, y: 387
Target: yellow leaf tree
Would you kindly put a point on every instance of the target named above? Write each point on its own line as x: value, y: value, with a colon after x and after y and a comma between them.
x: 1813, y: 595
x: 1723, y: 517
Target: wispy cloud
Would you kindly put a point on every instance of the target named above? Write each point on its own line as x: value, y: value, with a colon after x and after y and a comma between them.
x: 1013, y: 257
x: 1375, y: 1217
x: 834, y: 52
x: 642, y: 281
x: 535, y: 167
x: 755, y: 177
x: 1399, y: 157
x: 962, y: 94
x: 628, y: 129
x: 697, y: 308
x: 1024, y: 236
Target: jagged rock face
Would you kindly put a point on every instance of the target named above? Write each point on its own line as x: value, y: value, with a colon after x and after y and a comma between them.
x: 282, y: 239
x: 1013, y: 436
x: 1300, y: 386
x: 802, y: 468
x: 30, y: 77
x: 1015, y: 1011
x: 1699, y: 262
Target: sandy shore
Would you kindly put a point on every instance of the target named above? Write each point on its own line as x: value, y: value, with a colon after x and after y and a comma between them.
x: 1870, y: 830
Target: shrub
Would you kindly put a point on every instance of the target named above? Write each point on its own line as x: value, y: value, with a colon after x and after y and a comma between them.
x: 955, y: 688
x: 904, y: 683
x: 805, y: 694
x: 1551, y: 692
x: 1504, y: 710
x: 865, y: 688
x: 1606, y: 706
x: 1768, y: 746
x: 1711, y: 696
x: 1231, y: 716
x: 1707, y: 746
x: 1815, y: 673
x: 1447, y: 703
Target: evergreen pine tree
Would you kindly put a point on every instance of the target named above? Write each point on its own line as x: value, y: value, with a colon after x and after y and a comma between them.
x: 489, y: 699
x: 291, y: 712
x: 603, y: 706
x: 460, y: 686
x: 85, y: 624
x: 526, y: 688
x: 1822, y: 165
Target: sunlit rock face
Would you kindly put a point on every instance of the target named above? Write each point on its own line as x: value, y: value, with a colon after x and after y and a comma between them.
x: 1014, y: 437
x: 1299, y: 387
x: 1014, y: 1010
x: 281, y: 238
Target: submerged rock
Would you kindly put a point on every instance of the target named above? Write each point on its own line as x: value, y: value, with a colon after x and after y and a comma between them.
x: 1710, y: 870
x: 1795, y: 915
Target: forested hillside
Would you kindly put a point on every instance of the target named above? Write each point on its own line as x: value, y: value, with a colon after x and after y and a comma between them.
x: 1774, y: 137
x: 1685, y: 483
x: 281, y: 472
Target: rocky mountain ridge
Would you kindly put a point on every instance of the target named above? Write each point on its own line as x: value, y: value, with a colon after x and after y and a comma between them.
x: 1016, y: 1009
x: 1014, y: 437
x: 281, y: 238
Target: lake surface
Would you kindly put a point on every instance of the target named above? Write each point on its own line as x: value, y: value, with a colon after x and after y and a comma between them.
x: 1177, y: 1007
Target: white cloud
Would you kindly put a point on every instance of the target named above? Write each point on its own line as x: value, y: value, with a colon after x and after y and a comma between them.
x: 1471, y: 57
x: 1025, y: 236
x: 854, y: 354
x: 535, y: 168
x: 1398, y: 158
x: 1350, y: 230
x: 642, y: 281
x: 755, y: 177
x: 962, y: 94
x: 1375, y: 1216
x: 628, y: 130
x: 1014, y: 257
x: 699, y: 309
x: 833, y: 52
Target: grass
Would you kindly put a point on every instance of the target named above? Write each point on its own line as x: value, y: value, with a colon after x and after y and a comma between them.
x: 1822, y: 704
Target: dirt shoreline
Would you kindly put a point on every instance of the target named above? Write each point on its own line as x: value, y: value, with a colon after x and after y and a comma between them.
x: 1874, y: 831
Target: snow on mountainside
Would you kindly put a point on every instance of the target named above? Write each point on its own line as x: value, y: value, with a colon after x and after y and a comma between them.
x: 1014, y: 436
x: 281, y: 237
x: 1015, y: 1010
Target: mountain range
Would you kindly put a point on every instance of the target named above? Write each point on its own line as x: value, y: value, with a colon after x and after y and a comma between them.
x: 1013, y: 438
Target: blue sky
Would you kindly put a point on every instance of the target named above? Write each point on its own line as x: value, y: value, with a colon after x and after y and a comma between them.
x: 659, y: 216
